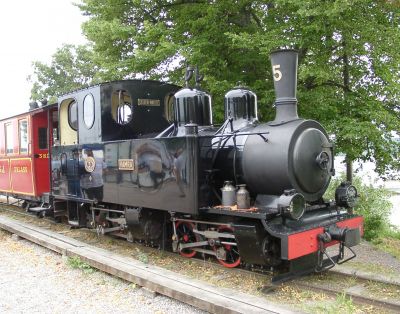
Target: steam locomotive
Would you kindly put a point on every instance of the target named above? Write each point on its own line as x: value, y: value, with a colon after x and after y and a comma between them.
x: 142, y: 160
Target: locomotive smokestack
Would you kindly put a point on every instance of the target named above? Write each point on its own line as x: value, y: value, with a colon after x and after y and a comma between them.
x: 284, y: 70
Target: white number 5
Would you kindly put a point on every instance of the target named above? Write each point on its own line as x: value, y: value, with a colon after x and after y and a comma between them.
x: 277, y: 73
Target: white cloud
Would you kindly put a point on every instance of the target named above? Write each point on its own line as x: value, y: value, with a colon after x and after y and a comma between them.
x: 31, y: 31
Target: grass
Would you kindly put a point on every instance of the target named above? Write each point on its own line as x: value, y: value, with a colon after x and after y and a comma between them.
x: 389, y: 242
x: 293, y: 295
x: 342, y: 304
x: 384, y: 291
x: 333, y: 279
x: 372, y: 268
x: 76, y: 263
x: 4, y: 234
x: 142, y: 256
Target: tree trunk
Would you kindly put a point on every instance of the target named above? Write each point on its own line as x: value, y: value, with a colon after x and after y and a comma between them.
x: 346, y: 90
x: 349, y: 170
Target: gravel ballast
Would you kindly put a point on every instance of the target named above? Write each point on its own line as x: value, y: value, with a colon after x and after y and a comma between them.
x: 36, y: 280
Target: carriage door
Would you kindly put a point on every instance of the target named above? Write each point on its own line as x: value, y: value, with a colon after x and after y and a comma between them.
x: 41, y: 152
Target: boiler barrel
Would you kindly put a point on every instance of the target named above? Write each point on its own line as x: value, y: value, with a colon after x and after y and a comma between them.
x: 289, y: 159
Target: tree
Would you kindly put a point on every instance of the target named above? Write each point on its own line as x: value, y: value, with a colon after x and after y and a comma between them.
x: 349, y: 72
x: 158, y: 38
x: 349, y: 57
x: 71, y: 68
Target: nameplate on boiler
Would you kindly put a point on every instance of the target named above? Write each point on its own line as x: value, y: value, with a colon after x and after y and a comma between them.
x: 126, y: 164
x: 148, y: 102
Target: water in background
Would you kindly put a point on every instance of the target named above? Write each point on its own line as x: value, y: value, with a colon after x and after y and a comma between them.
x: 369, y: 176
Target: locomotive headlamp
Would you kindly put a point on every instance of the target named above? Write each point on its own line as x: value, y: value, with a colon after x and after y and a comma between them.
x: 346, y: 195
x: 292, y: 204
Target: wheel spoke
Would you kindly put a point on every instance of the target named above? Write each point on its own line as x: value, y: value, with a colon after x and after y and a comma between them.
x: 185, y: 234
x: 232, y: 254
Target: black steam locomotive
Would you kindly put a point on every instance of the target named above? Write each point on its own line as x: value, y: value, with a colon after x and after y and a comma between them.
x: 143, y: 160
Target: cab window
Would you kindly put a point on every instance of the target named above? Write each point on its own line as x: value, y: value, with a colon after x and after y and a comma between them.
x: 122, y: 110
x: 88, y: 111
x: 43, y: 138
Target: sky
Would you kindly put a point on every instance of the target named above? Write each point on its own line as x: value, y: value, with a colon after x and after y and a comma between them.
x: 32, y: 30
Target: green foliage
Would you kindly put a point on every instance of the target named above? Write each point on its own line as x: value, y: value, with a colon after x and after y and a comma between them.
x: 76, y: 263
x: 393, y: 233
x: 349, y: 57
x: 71, y: 68
x: 157, y: 38
x: 349, y: 70
x: 349, y: 61
x: 373, y: 204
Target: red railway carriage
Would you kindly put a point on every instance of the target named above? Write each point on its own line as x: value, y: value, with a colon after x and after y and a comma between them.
x: 24, y: 152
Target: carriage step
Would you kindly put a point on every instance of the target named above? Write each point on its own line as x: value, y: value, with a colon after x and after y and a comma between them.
x: 38, y: 209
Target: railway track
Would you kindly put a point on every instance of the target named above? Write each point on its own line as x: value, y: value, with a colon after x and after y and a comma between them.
x: 357, y: 291
x: 23, y: 213
x: 355, y: 297
x: 157, y: 279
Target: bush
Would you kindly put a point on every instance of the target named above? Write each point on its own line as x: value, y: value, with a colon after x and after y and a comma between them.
x: 373, y: 204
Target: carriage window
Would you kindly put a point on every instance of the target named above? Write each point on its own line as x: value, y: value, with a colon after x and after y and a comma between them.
x: 73, y: 115
x: 9, y: 138
x: 121, y: 107
x: 88, y: 110
x: 43, y: 138
x: 23, y: 136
